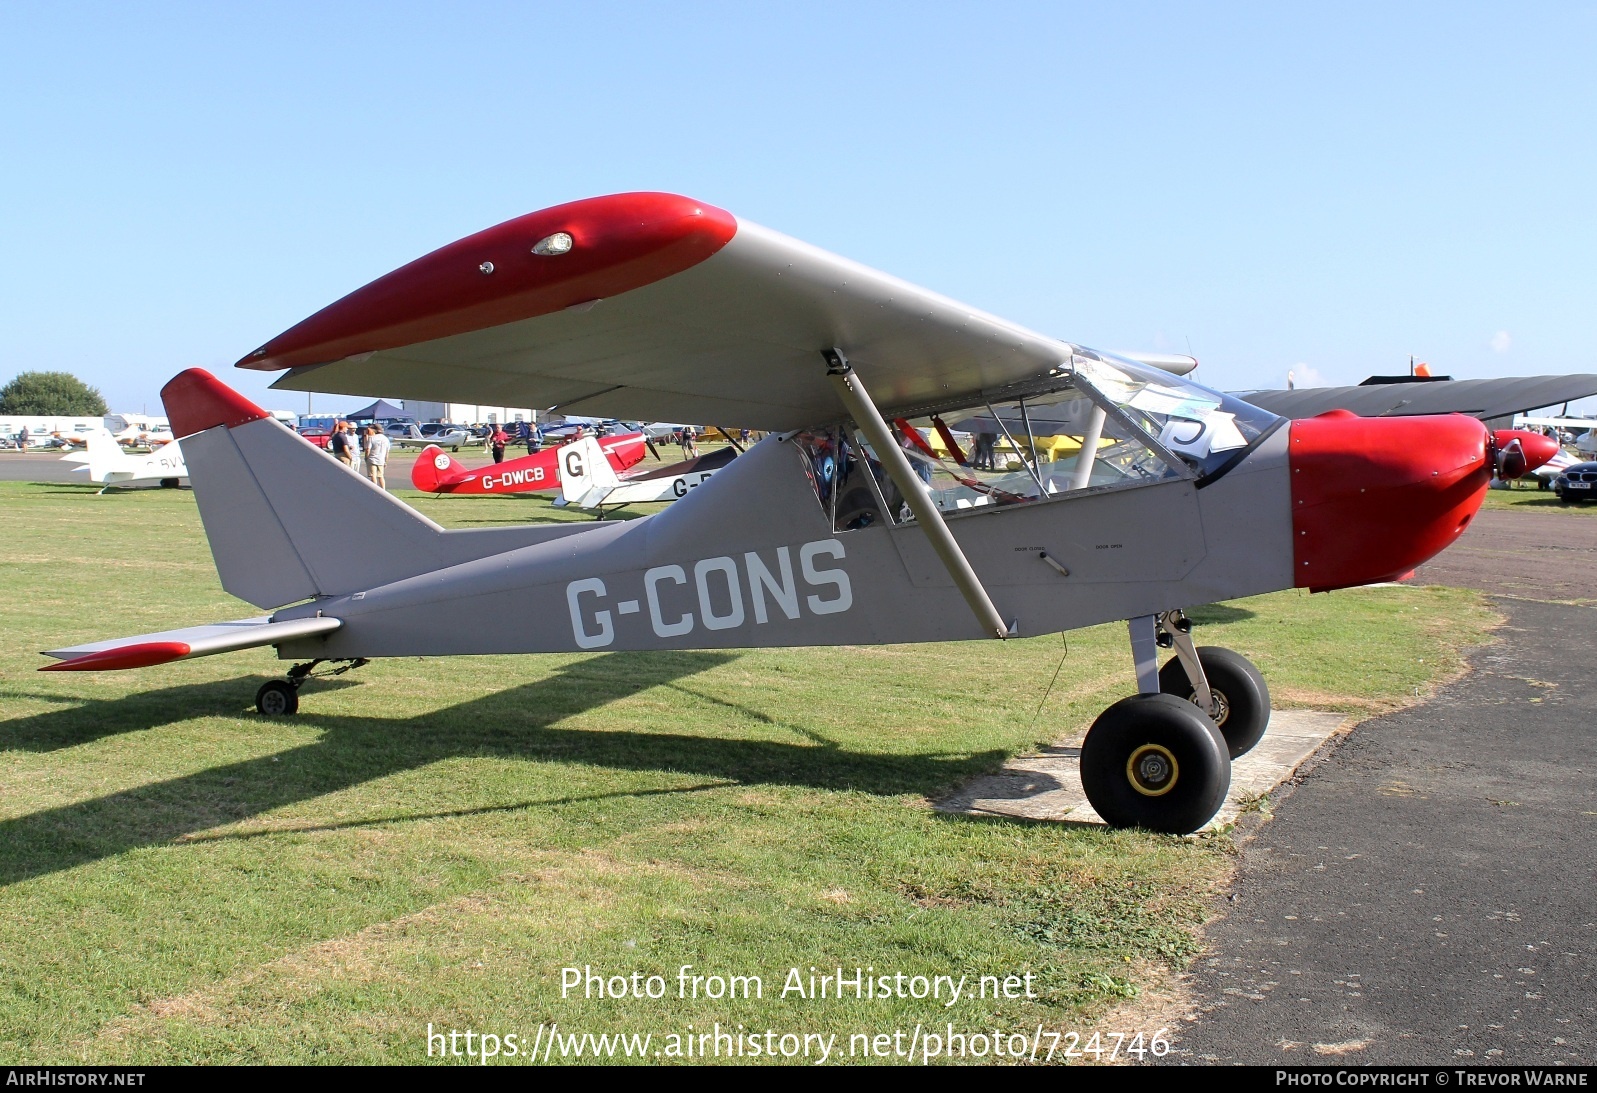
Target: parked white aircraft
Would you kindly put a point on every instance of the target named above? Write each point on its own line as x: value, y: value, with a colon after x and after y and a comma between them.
x: 588, y: 481
x: 447, y: 436
x: 139, y: 430
x: 105, y: 462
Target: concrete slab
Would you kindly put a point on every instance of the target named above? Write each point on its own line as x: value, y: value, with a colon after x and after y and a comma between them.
x: 1047, y: 785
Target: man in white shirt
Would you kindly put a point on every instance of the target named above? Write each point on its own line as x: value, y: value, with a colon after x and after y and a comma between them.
x: 377, y: 457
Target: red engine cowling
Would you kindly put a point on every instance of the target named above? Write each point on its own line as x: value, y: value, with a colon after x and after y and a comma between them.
x: 1372, y: 498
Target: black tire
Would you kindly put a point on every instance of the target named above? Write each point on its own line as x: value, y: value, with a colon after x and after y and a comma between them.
x: 277, y: 698
x: 1241, y: 698
x: 1154, y: 761
x: 169, y: 483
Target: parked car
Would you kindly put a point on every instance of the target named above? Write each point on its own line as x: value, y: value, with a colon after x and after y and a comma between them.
x: 1578, y: 483
x: 322, y: 438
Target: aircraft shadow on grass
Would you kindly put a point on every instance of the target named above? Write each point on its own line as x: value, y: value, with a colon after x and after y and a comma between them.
x: 517, y: 723
x: 1214, y: 614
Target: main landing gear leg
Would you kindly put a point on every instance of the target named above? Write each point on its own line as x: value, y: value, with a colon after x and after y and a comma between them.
x: 280, y: 697
x: 1222, y: 682
x: 1161, y: 759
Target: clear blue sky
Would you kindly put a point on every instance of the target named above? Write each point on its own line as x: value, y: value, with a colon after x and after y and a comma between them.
x: 1322, y: 187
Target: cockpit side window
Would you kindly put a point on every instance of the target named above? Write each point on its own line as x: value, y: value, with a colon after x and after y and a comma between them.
x: 1099, y: 423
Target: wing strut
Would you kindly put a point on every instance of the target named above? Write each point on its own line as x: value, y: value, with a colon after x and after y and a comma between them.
x: 858, y: 403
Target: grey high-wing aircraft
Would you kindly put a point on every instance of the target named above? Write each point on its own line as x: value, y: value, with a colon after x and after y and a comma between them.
x: 1088, y: 486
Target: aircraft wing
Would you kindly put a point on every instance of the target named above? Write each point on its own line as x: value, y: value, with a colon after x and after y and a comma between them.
x: 193, y: 641
x: 658, y: 307
x: 1486, y: 398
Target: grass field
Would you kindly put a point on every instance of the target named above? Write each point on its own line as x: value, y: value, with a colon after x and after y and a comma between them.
x: 433, y: 841
x: 1527, y: 498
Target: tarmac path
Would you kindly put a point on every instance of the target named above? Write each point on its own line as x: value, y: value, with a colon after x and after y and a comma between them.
x: 1533, y: 555
x: 37, y: 467
x: 1427, y: 893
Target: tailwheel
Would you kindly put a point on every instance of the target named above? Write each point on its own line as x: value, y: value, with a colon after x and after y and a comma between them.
x: 1154, y: 761
x: 277, y: 698
x: 1241, y: 701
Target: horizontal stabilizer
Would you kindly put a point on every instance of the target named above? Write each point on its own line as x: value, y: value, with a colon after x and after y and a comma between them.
x: 192, y: 641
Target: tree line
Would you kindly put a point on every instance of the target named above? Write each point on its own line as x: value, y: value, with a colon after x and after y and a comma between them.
x: 50, y: 394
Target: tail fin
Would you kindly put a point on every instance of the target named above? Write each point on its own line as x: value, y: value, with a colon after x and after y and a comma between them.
x: 287, y: 522
x: 434, y: 468
x: 105, y: 455
x: 583, y: 467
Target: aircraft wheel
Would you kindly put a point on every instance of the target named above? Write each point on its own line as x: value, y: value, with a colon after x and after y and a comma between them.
x: 1154, y: 761
x: 277, y: 698
x: 1241, y: 699
x: 169, y: 483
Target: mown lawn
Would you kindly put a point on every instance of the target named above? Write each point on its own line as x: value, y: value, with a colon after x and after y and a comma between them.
x: 433, y: 841
x: 1525, y: 497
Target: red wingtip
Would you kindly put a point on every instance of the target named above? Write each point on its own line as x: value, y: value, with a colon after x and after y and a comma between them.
x: 142, y: 655
x: 196, y: 400
x: 613, y: 244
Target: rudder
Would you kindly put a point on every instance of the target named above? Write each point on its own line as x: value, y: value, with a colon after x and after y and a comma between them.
x: 285, y: 521
x: 583, y: 467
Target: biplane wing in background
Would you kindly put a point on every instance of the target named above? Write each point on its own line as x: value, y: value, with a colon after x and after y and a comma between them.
x: 1404, y: 396
x: 1487, y: 399
x: 848, y: 527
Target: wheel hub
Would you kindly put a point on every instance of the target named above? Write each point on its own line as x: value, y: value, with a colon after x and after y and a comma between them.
x: 1221, y: 709
x: 1152, y: 770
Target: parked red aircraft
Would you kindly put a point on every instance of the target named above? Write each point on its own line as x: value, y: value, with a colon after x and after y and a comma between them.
x: 435, y: 471
x: 1523, y: 451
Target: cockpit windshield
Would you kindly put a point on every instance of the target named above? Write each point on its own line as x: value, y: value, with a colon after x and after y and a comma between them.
x: 1098, y: 422
x: 1203, y: 427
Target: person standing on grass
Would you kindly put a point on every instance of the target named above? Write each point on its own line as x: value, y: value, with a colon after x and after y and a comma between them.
x: 497, y: 441
x: 340, y: 446
x: 377, y: 446
x: 22, y: 440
